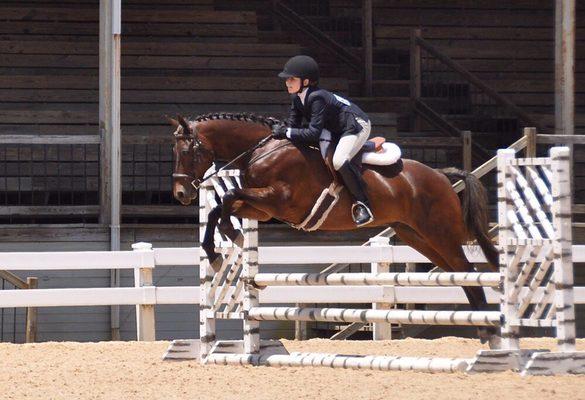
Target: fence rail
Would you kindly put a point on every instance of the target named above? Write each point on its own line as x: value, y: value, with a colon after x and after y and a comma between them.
x: 144, y: 295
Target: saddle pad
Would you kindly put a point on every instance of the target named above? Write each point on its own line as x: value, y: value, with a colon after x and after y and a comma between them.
x: 389, y: 154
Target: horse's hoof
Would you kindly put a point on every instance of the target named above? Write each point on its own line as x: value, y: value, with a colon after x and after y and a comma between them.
x: 495, y: 342
x: 490, y: 336
x: 216, y: 263
x: 239, y: 240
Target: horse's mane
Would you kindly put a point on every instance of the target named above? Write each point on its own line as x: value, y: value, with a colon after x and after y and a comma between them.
x: 245, y: 117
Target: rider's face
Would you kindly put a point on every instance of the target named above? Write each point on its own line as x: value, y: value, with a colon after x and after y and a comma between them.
x: 293, y: 84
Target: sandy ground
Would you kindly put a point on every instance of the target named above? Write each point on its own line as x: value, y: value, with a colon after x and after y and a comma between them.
x: 133, y: 370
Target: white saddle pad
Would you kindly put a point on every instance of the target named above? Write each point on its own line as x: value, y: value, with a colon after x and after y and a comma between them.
x: 389, y: 154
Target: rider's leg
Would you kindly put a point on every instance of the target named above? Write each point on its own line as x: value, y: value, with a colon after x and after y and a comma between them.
x: 349, y: 145
x: 324, y: 142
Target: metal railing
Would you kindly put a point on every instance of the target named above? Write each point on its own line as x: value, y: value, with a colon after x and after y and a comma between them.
x: 451, y: 98
x: 284, y: 11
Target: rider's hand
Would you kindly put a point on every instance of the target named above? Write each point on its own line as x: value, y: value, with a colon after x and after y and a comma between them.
x: 279, y: 131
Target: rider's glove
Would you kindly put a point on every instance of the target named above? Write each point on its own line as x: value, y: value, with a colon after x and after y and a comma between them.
x: 279, y: 131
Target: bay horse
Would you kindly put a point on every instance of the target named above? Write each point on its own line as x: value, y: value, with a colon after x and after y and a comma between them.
x: 283, y: 181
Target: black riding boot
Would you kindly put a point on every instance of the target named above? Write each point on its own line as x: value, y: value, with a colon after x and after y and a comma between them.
x: 357, y: 188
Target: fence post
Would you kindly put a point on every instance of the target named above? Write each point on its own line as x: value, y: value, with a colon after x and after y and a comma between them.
x: 415, y: 78
x: 563, y: 263
x: 145, y: 316
x: 467, y: 151
x: 251, y: 293
x: 31, y: 314
x: 409, y: 268
x: 510, y: 334
x: 530, y: 134
x: 381, y: 331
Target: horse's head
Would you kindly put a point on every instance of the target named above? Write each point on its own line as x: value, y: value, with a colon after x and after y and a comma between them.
x: 192, y: 158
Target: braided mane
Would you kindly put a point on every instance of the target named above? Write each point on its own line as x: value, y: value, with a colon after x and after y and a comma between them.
x: 246, y: 117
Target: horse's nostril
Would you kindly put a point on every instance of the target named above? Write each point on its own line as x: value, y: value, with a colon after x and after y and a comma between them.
x: 180, y: 194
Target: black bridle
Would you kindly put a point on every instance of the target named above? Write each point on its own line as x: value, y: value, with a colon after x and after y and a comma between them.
x: 196, y: 182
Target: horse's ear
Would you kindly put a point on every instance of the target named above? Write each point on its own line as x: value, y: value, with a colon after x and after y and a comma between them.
x: 172, y: 121
x: 187, y: 131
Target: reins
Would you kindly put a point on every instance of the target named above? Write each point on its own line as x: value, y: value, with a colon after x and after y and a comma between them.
x: 196, y: 183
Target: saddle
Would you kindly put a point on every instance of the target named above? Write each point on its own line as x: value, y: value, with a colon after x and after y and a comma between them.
x: 374, y: 144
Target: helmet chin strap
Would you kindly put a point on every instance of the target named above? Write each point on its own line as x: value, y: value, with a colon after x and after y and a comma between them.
x: 302, y: 87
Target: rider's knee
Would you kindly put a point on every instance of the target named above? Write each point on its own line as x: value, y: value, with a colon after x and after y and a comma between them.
x: 339, y: 160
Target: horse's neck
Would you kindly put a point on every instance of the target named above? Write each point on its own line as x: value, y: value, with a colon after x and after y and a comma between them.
x: 231, y: 138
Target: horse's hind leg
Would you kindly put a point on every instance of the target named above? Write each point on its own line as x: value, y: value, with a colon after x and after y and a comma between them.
x: 414, y: 240
x: 450, y: 261
x: 446, y: 240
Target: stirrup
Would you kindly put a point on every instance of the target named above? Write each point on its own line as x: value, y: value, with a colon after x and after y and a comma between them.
x: 361, y: 222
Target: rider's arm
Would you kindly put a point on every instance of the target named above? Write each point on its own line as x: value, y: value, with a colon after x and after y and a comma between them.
x: 312, y: 133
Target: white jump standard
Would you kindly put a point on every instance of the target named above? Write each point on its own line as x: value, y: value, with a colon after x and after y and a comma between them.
x: 534, y: 214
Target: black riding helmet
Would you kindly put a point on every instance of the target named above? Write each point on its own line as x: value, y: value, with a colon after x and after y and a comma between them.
x: 303, y: 67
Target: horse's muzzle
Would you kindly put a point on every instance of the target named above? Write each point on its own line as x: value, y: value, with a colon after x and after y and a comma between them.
x: 187, y: 189
x: 183, y: 197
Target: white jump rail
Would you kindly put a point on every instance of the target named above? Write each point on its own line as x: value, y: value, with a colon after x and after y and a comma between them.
x: 145, y: 295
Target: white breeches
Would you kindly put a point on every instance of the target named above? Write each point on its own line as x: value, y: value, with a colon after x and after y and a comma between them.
x: 349, y: 144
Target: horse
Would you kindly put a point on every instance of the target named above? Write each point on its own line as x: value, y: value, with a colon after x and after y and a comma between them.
x: 282, y: 181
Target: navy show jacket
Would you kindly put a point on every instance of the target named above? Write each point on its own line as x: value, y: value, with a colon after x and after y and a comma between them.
x: 323, y: 110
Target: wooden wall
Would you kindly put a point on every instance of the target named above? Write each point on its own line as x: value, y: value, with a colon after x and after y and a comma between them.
x: 179, y: 57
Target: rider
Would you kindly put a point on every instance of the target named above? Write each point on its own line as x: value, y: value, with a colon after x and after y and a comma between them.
x: 329, y: 116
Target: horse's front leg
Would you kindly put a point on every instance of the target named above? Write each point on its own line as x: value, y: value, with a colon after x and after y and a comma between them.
x: 208, y: 243
x: 256, y: 203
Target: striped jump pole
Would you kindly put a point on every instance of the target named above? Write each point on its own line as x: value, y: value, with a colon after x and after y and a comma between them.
x: 490, y: 279
x: 415, y: 317
x: 377, y: 363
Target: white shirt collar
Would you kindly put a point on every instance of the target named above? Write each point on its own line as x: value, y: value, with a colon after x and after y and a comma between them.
x: 303, y: 94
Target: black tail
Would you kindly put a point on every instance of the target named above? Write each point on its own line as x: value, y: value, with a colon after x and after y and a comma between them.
x: 474, y: 204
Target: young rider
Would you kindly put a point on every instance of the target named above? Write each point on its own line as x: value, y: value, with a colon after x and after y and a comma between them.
x: 329, y: 115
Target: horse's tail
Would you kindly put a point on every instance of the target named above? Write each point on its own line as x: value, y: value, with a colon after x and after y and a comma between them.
x: 474, y: 204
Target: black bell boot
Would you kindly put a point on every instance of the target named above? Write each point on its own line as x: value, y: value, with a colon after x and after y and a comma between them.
x: 361, y: 213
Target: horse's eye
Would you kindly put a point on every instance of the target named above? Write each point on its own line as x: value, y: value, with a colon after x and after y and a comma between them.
x: 184, y: 152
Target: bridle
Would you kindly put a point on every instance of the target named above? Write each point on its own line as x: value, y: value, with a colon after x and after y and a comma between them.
x: 196, y: 182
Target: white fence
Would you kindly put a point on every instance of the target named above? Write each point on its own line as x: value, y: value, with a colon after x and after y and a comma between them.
x: 145, y: 296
